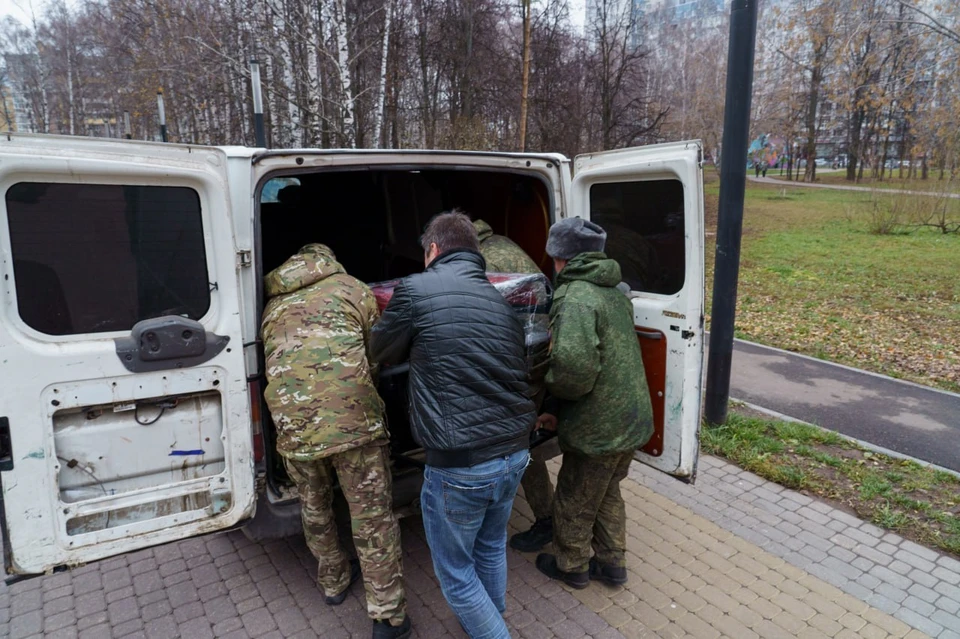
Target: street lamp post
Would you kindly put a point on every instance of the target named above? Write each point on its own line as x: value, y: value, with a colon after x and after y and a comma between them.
x: 733, y: 176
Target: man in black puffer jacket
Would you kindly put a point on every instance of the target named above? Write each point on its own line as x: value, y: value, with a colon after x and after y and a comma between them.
x: 469, y: 409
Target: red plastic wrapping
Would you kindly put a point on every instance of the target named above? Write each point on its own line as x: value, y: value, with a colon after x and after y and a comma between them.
x: 530, y: 296
x: 523, y: 291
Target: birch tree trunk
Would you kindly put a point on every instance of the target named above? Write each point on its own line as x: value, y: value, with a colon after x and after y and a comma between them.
x: 70, y: 101
x: 379, y: 115
x: 44, y: 104
x: 339, y: 23
x: 525, y: 74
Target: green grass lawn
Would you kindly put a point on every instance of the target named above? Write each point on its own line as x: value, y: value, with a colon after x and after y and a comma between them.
x: 814, y: 280
x: 915, y: 501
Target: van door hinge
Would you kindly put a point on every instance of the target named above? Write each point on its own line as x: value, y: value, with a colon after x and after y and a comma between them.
x: 244, y: 259
x: 687, y: 334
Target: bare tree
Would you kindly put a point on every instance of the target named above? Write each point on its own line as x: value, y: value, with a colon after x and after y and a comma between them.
x: 627, y: 114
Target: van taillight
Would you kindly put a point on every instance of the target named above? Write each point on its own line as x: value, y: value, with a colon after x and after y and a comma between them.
x: 253, y: 388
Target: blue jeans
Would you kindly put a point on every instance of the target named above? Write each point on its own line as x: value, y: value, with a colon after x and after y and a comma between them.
x: 465, y: 514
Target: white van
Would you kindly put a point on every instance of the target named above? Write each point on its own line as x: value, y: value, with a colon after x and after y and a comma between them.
x: 130, y: 365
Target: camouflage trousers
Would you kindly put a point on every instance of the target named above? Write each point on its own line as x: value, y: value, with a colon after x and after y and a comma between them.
x: 365, y: 480
x: 538, y: 489
x: 588, y: 511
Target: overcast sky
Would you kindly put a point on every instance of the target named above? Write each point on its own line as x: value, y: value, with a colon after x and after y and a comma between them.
x: 15, y: 8
x: 20, y: 9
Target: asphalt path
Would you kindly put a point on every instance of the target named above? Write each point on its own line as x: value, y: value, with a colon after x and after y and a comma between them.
x: 901, y: 416
x: 843, y: 187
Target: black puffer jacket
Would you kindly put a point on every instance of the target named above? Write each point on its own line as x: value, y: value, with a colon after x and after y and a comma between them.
x: 467, y: 387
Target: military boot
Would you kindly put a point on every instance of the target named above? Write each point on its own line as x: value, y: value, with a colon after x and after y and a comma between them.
x: 383, y: 630
x: 539, y: 535
x: 612, y: 575
x: 547, y: 564
x: 338, y: 599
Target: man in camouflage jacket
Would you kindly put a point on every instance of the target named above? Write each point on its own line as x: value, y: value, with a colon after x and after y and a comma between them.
x: 324, y: 403
x: 603, y: 409
x: 504, y: 256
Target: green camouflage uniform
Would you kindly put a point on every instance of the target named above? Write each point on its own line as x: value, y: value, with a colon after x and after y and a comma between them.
x: 504, y: 256
x: 324, y: 403
x: 604, y: 412
x: 501, y: 253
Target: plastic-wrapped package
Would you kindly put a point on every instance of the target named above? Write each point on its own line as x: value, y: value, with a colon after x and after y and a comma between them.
x: 530, y: 296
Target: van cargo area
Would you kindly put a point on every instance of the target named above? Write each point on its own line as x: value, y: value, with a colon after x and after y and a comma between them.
x: 373, y: 220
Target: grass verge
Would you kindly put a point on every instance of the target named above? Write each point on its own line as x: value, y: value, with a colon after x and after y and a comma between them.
x: 914, y: 501
x: 814, y: 280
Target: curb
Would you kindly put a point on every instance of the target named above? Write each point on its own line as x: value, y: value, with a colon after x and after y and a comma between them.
x: 859, y: 442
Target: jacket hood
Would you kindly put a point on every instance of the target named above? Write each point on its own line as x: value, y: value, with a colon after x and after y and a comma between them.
x: 595, y: 268
x: 312, y: 263
x: 484, y: 231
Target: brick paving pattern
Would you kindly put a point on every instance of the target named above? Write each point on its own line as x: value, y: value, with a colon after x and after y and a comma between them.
x: 913, y: 583
x: 689, y: 577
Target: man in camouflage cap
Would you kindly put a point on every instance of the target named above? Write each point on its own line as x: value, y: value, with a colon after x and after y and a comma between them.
x: 324, y: 402
x: 504, y: 256
x: 603, y: 407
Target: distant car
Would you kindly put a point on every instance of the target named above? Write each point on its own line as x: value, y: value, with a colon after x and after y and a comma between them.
x: 822, y: 162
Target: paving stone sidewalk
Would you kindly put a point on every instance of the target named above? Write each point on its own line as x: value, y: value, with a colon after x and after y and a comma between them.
x: 915, y: 584
x: 688, y: 577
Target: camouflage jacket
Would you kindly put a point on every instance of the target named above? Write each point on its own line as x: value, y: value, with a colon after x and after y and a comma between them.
x: 596, y: 370
x: 501, y: 253
x: 320, y: 382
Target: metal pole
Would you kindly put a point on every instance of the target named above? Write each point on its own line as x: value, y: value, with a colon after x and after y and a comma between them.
x: 127, y: 133
x: 258, y: 127
x: 733, y: 174
x: 163, y: 116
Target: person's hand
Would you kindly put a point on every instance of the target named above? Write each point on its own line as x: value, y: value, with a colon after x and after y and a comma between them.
x: 547, y: 422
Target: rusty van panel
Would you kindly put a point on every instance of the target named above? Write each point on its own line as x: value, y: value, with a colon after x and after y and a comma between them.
x: 653, y: 346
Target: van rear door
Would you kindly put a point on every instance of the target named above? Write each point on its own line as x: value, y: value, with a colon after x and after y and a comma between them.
x: 650, y: 202
x: 125, y: 421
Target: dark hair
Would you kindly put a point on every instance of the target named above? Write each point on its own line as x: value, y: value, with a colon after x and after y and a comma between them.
x: 450, y: 230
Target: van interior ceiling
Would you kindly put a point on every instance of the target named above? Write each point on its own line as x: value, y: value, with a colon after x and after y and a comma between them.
x: 373, y: 220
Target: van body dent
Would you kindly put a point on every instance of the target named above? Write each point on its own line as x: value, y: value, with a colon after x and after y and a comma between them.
x: 130, y: 359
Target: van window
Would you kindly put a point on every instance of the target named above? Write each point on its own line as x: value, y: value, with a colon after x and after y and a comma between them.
x: 645, y: 231
x: 276, y: 190
x: 91, y: 258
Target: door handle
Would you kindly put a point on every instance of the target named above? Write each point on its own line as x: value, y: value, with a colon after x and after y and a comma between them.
x: 650, y: 335
x: 6, y: 449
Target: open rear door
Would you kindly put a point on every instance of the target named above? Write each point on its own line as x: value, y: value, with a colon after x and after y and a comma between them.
x: 125, y: 421
x: 650, y: 202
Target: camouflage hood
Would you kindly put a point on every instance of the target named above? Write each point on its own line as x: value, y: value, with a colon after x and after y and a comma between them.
x: 484, y: 231
x: 312, y: 263
x: 595, y: 268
